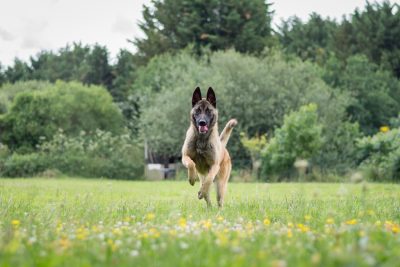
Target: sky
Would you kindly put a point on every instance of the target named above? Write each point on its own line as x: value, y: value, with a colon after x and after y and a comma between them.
x: 29, y: 26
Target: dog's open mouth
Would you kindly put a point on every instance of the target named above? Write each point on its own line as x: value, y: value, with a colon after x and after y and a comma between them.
x: 203, y: 129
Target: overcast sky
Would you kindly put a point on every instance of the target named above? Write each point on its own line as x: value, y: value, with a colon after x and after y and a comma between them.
x: 29, y: 26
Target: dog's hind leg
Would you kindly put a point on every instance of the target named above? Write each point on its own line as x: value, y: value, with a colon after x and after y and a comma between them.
x: 206, y: 183
x: 222, y: 180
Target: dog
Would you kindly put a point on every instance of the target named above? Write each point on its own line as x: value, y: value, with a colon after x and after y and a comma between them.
x: 204, y: 151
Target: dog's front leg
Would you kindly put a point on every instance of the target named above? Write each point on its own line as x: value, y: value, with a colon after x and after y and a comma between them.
x: 205, y: 187
x: 191, y: 166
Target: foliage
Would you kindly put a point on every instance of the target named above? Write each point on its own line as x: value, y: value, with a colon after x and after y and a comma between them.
x: 23, y: 165
x: 174, y: 24
x: 309, y: 40
x: 8, y: 92
x: 298, y: 138
x: 375, y: 93
x: 373, y: 32
x: 255, y: 146
x: 338, y: 152
x: 99, y: 154
x: 380, y: 155
x: 256, y: 91
x: 124, y: 73
x: 35, y: 115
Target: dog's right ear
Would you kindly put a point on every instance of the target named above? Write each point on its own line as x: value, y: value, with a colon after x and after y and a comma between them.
x: 196, y: 96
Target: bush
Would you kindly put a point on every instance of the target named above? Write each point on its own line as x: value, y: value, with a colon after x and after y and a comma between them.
x: 100, y: 154
x: 8, y: 92
x: 26, y: 165
x: 298, y: 138
x: 379, y: 155
x: 39, y: 114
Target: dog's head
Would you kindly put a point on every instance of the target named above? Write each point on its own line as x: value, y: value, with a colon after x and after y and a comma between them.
x: 204, y: 112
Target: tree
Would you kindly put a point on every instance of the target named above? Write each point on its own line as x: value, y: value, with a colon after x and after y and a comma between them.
x: 298, y: 138
x: 99, y: 71
x: 257, y: 91
x: 20, y: 71
x: 170, y: 25
x: 37, y: 115
x: 124, y: 73
x: 2, y: 76
x: 375, y: 93
x: 310, y: 40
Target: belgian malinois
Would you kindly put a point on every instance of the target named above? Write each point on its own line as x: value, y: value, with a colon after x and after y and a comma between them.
x: 204, y: 151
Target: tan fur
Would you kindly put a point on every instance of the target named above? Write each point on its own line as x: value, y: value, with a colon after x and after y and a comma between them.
x: 208, y: 158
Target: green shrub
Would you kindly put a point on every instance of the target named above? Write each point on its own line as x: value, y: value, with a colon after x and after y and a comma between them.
x: 379, y: 155
x: 69, y: 106
x: 298, y: 138
x: 8, y: 92
x: 100, y: 154
x: 26, y: 165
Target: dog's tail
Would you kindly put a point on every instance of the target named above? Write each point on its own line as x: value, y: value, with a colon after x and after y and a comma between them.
x: 226, y: 132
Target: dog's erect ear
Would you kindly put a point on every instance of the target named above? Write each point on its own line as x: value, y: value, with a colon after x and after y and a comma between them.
x: 196, y: 96
x: 211, y: 97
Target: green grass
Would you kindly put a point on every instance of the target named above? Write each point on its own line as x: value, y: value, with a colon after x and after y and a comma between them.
x: 75, y: 222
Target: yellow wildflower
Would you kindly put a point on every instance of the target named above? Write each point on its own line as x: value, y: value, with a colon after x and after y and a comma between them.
x: 351, y: 222
x: 307, y: 217
x: 117, y: 231
x: 207, y: 224
x: 303, y: 228
x: 112, y: 244
x: 395, y: 228
x: 330, y: 221
x: 150, y: 216
x: 154, y: 232
x: 289, y: 233
x: 267, y: 221
x: 15, y: 223
x: 220, y: 219
x: 290, y: 225
x: 81, y: 233
x: 182, y: 222
x: 378, y: 223
x: 384, y: 129
x: 172, y: 232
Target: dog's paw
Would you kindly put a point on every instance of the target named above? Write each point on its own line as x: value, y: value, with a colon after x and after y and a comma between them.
x: 232, y: 123
x: 200, y: 195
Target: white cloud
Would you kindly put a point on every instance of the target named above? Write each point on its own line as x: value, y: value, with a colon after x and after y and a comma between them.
x: 5, y: 35
x: 124, y: 26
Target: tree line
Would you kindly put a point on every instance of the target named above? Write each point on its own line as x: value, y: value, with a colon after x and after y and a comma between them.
x: 349, y: 69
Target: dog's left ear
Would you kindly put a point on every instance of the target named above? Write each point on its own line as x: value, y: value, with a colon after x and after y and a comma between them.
x: 211, y: 97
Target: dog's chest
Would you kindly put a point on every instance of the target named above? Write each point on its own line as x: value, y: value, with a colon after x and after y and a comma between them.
x: 203, y: 148
x: 202, y: 155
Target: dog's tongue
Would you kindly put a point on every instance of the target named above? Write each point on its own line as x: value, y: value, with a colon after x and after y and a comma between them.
x: 203, y: 129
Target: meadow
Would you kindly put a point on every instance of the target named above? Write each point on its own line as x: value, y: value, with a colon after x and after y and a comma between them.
x: 98, y: 222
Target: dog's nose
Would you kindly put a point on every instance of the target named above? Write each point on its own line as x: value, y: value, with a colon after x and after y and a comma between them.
x: 202, y: 123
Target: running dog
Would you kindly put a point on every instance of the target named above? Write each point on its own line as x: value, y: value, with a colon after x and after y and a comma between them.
x: 204, y: 151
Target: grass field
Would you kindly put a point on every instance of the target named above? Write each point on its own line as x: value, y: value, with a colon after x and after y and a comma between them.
x: 75, y: 222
